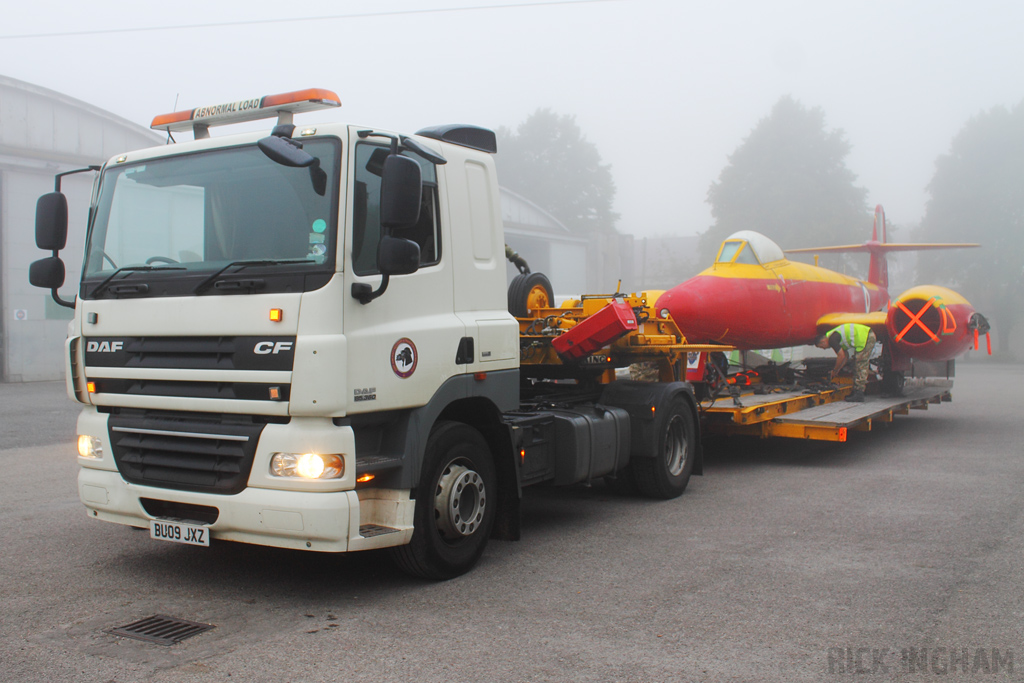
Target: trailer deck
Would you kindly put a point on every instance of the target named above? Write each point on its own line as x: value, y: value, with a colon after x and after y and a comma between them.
x: 820, y: 415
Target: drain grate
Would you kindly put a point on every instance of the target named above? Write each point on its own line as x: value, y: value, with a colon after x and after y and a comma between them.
x: 160, y: 629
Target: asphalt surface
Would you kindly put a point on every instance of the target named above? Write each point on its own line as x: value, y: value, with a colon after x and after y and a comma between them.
x: 890, y: 557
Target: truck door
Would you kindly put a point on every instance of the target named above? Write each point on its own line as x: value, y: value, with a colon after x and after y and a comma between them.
x: 401, y: 346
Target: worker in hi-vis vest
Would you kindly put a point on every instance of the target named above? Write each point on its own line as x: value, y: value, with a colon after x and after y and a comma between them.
x: 850, y: 341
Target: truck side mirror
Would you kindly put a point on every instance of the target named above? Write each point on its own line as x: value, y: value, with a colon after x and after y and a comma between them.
x: 47, y: 273
x: 398, y: 256
x: 52, y: 222
x: 281, y: 149
x: 401, y: 189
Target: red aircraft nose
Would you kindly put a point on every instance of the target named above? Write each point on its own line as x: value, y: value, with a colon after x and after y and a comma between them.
x: 699, y: 307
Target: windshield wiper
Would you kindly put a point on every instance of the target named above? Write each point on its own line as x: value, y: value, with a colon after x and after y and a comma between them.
x: 244, y: 264
x: 129, y: 269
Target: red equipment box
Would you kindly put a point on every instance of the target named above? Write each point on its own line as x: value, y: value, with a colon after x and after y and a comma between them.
x: 596, y: 332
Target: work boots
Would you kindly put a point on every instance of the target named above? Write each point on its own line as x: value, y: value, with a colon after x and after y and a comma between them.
x: 855, y: 397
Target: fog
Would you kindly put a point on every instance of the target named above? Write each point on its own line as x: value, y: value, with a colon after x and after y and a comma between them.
x: 666, y: 90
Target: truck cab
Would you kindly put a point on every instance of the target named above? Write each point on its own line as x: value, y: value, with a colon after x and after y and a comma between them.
x: 262, y: 345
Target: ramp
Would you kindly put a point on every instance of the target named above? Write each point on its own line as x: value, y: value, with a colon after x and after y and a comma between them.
x: 823, y: 416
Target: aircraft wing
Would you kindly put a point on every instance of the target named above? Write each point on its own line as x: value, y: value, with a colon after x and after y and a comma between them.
x: 884, y: 247
x: 875, y: 320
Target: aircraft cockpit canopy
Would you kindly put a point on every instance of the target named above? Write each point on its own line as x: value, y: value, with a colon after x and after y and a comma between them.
x: 747, y: 246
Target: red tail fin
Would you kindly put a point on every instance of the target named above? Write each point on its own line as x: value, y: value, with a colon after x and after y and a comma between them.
x: 878, y: 269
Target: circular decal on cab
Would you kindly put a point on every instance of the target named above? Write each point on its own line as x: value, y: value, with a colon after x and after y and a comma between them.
x: 404, y: 358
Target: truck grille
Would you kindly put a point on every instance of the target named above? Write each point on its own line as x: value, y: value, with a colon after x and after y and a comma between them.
x: 183, y: 452
x: 191, y: 353
x: 241, y: 391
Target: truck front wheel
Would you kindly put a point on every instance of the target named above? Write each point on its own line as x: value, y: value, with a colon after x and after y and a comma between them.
x: 456, y: 503
x: 666, y: 472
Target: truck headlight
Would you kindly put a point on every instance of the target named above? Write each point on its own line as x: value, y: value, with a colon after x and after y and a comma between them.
x: 90, y: 447
x: 307, y: 465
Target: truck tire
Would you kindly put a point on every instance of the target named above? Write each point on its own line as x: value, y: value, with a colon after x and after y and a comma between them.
x: 666, y: 474
x: 456, y: 503
x: 529, y: 291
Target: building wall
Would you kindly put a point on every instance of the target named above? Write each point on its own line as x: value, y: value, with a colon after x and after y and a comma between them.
x: 575, y: 264
x: 43, y: 133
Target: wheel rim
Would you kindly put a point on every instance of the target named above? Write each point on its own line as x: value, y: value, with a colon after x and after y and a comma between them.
x: 676, y: 448
x: 460, y: 502
x: 537, y: 298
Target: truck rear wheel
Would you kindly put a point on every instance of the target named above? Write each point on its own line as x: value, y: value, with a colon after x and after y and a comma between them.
x: 666, y: 474
x: 455, y: 504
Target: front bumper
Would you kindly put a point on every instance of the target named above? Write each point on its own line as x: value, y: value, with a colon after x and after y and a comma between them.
x: 302, y: 515
x: 301, y: 520
x: 284, y: 519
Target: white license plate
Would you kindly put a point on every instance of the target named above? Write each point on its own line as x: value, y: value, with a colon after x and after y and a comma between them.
x: 178, y: 532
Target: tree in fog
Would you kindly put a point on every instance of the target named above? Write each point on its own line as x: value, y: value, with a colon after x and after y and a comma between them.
x: 977, y: 195
x: 789, y: 181
x: 549, y: 161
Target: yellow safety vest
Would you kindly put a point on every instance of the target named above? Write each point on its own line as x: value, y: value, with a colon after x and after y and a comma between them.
x: 852, y: 337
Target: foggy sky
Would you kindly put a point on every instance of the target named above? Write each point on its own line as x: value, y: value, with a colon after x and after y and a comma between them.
x: 666, y: 90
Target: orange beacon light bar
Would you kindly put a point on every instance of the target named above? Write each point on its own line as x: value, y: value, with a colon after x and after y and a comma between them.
x: 282, y: 106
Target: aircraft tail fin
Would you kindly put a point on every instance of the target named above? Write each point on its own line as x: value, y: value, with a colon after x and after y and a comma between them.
x: 878, y: 269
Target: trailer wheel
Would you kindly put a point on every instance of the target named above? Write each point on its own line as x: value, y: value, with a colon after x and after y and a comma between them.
x: 456, y: 503
x: 666, y: 474
x: 892, y: 383
x: 529, y: 291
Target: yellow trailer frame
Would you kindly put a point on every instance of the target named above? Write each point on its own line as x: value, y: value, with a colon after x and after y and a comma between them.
x: 820, y: 416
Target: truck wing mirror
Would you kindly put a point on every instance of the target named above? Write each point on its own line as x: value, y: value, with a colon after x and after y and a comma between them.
x: 398, y: 256
x: 395, y: 256
x: 401, y: 188
x: 47, y: 273
x: 52, y: 222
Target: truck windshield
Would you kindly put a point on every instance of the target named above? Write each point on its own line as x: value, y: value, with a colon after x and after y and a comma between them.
x: 200, y: 212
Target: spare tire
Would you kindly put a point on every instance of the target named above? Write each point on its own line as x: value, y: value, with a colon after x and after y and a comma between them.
x: 528, y: 292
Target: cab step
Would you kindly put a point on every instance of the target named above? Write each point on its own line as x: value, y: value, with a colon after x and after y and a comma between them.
x: 371, y: 530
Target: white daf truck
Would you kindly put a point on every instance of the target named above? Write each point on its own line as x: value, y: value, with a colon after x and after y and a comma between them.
x: 302, y: 339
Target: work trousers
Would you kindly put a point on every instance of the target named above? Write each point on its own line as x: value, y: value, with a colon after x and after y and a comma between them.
x: 860, y: 364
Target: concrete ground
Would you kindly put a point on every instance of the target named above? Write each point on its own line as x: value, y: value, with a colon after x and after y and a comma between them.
x: 896, y: 556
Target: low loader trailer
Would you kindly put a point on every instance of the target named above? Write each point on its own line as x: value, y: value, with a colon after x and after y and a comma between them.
x: 820, y: 415
x: 303, y: 338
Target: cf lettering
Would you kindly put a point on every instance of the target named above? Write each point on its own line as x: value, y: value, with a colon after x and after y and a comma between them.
x: 264, y: 348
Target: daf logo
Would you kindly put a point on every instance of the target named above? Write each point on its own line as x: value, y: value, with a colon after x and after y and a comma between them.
x: 104, y: 347
x: 264, y: 348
